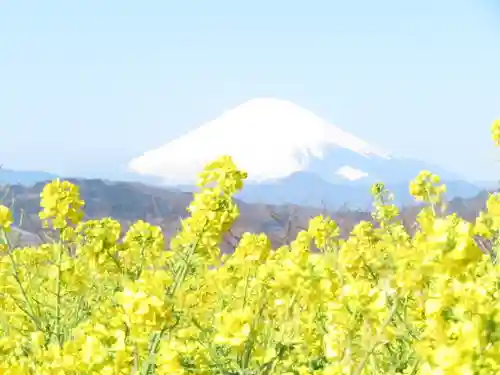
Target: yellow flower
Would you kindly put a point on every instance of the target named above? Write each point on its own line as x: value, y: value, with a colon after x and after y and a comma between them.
x: 383, y: 302
x: 6, y: 219
x: 61, y: 203
x: 233, y: 327
x: 93, y: 351
x: 495, y: 132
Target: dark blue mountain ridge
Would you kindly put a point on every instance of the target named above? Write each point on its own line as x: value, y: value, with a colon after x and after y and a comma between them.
x: 27, y: 178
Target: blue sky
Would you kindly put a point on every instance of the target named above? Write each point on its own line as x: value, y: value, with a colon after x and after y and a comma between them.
x: 87, y: 85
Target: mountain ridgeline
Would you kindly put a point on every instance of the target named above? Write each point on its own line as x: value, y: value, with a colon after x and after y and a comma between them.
x: 128, y: 202
x: 292, y: 156
x: 298, y: 165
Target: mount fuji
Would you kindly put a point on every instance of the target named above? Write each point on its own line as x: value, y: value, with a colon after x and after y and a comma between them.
x: 292, y: 156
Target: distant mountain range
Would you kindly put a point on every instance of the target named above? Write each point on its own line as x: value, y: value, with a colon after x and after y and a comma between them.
x: 292, y: 157
x: 129, y: 202
x: 10, y: 177
x: 303, y: 189
x: 300, y: 188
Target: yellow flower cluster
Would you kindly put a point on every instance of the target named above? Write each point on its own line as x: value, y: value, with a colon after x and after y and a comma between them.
x: 495, y: 131
x: 379, y: 302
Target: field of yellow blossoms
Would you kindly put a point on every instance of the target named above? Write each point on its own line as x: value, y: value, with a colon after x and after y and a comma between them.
x: 380, y: 302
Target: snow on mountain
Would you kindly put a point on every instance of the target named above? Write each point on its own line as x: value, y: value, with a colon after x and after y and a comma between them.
x: 269, y: 138
x: 288, y: 152
x: 351, y: 173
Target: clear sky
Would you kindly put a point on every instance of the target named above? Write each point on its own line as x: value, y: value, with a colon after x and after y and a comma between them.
x: 87, y: 85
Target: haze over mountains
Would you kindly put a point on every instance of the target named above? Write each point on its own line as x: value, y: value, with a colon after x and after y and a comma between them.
x: 291, y: 156
x: 298, y: 164
x: 10, y: 177
x: 128, y: 202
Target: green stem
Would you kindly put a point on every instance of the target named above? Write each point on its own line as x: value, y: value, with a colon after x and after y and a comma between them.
x: 363, y: 362
x: 268, y: 368
x: 15, y: 273
x: 247, y: 353
x: 58, y: 297
x: 150, y: 365
x: 245, y: 297
x: 430, y: 201
x: 179, y: 279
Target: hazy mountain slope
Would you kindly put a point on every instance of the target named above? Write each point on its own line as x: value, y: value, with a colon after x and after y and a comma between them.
x: 292, y: 156
x: 128, y: 202
x: 310, y: 190
x: 8, y: 176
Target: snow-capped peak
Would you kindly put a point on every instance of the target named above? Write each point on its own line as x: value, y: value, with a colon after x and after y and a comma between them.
x: 269, y: 138
x: 351, y: 173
